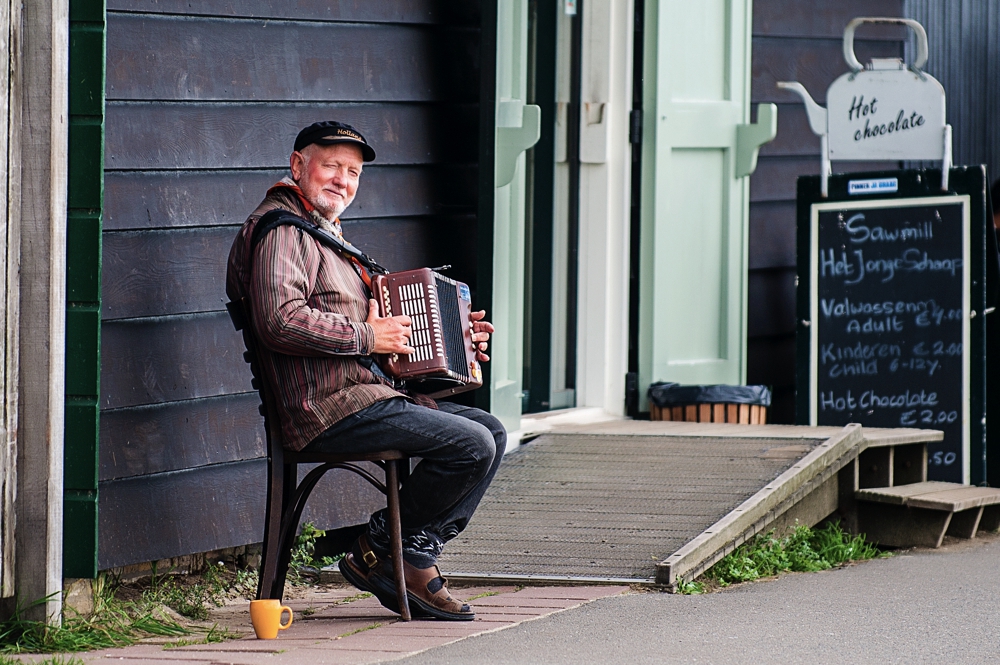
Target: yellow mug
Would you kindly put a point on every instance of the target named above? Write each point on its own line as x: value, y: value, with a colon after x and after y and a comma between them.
x: 265, y: 615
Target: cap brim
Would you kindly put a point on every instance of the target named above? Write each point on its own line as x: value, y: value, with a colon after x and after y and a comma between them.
x: 367, y: 152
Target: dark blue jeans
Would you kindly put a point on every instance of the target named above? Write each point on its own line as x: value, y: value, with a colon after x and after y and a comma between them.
x: 459, y: 449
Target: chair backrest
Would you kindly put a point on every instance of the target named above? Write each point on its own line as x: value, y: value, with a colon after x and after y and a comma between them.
x: 240, y: 313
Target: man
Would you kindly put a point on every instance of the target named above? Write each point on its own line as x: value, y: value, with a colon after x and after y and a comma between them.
x: 312, y: 311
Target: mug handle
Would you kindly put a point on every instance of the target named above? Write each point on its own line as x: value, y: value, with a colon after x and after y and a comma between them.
x: 283, y: 626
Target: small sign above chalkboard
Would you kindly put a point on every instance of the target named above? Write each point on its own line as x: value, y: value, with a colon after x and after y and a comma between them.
x: 888, y: 328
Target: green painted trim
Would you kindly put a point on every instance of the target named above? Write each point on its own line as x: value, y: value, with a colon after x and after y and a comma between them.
x: 87, y: 39
x: 83, y: 350
x: 79, y: 533
x: 80, y: 459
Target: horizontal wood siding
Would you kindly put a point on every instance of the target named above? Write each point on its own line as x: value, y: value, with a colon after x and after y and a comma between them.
x: 166, y: 199
x: 797, y: 40
x: 430, y: 12
x: 204, y: 99
x: 259, y: 135
x: 183, y: 264
x: 211, y: 507
x: 207, y: 58
x: 174, y: 436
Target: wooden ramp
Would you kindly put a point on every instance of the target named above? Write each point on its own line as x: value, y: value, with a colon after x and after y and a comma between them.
x: 654, y: 502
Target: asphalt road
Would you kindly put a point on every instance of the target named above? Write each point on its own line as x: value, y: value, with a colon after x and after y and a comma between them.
x: 937, y: 606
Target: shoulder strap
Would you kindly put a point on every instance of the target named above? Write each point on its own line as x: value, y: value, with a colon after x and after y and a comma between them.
x: 279, y: 217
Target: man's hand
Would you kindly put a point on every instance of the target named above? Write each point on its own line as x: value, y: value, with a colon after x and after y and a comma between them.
x: 392, y: 333
x: 481, y: 334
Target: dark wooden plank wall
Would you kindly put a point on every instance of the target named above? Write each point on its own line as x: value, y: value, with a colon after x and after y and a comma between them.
x: 204, y: 98
x: 794, y: 40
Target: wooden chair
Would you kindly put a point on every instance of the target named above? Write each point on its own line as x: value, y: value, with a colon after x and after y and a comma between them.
x: 286, y: 496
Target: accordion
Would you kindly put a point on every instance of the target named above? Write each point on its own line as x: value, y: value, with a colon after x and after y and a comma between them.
x: 443, y: 361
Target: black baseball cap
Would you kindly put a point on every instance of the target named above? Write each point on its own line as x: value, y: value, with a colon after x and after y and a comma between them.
x: 329, y: 132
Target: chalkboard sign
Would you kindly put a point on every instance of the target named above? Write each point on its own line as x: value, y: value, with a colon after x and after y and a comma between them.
x: 890, y: 315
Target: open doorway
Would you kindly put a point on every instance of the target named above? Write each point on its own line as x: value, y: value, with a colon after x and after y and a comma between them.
x: 552, y: 209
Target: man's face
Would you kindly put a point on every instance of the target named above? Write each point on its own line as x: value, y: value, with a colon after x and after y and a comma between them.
x: 328, y: 175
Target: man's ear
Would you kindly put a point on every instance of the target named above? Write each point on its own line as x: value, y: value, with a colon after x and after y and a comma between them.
x: 296, y: 164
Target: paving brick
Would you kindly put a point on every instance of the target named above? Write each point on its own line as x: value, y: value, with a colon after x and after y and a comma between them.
x: 514, y: 600
x: 332, y: 628
x: 470, y: 591
x: 170, y: 656
x: 147, y: 661
x: 578, y: 593
x: 433, y: 629
x: 399, y: 643
x: 508, y: 616
x: 333, y: 657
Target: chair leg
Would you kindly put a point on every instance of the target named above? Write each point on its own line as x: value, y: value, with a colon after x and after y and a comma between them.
x: 289, y: 488
x: 396, y: 536
x: 295, y: 503
x: 270, y: 556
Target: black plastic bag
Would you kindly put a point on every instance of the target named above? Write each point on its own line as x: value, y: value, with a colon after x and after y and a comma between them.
x: 674, y: 394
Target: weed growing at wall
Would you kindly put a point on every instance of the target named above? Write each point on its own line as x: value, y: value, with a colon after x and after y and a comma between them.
x: 113, y: 623
x: 802, y: 549
x: 304, y: 567
x: 125, y: 614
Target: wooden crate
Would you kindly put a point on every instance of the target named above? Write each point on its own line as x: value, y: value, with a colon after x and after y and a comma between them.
x: 743, y: 414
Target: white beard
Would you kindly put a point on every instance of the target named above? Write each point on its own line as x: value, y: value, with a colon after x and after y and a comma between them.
x: 328, y: 208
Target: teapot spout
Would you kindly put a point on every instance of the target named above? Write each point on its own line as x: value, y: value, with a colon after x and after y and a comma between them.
x: 815, y: 112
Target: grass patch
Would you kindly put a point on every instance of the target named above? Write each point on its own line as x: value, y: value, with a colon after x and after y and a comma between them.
x: 54, y: 660
x: 692, y: 588
x: 485, y: 594
x: 194, y: 597
x: 360, y: 630
x: 357, y: 596
x: 802, y: 549
x: 113, y: 623
x: 125, y: 614
x: 213, y: 636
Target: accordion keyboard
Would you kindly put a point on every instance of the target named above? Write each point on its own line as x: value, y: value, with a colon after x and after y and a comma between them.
x: 412, y: 303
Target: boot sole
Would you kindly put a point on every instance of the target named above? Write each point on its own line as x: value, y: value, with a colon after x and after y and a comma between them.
x: 357, y: 579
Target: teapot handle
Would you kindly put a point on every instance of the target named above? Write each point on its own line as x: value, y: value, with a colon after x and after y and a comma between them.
x: 852, y: 60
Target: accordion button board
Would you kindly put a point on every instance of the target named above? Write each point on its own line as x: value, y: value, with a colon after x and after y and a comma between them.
x: 443, y: 361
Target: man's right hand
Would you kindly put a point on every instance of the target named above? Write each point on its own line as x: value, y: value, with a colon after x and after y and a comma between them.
x: 392, y: 333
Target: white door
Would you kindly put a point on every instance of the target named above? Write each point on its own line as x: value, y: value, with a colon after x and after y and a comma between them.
x: 695, y: 207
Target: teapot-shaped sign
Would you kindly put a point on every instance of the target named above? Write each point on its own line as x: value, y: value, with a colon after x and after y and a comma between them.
x: 883, y: 111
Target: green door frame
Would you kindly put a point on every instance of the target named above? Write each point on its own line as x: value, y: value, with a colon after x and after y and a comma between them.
x: 508, y: 127
x: 87, y: 40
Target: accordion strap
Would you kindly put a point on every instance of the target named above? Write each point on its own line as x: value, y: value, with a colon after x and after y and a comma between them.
x: 278, y: 217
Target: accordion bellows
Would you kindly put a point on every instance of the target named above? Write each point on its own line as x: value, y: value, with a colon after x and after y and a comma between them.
x: 444, y: 359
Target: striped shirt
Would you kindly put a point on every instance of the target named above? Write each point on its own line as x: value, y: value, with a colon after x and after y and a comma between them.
x: 309, y: 309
